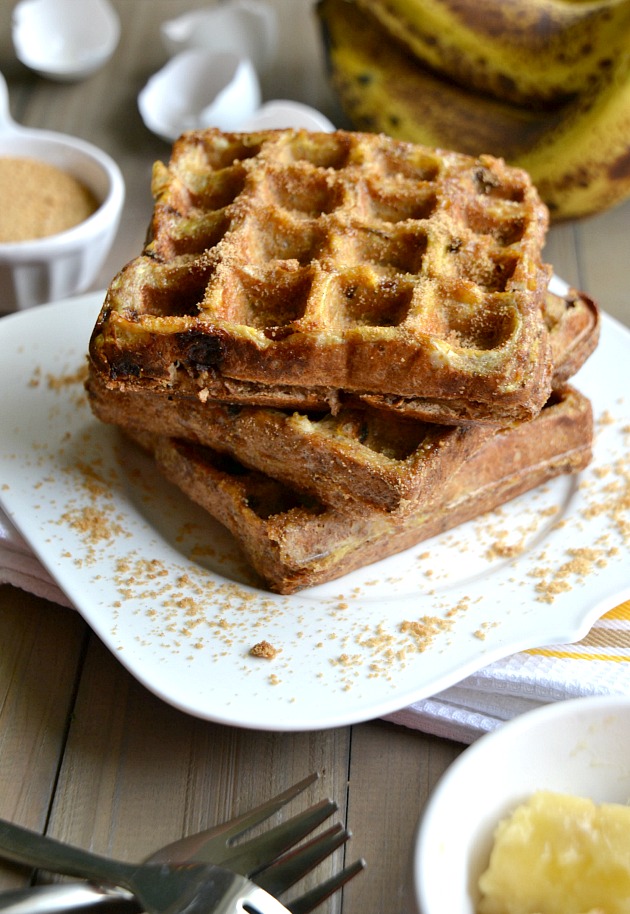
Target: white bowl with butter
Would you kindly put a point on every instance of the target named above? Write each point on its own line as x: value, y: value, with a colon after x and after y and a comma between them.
x: 579, y: 748
x: 41, y: 269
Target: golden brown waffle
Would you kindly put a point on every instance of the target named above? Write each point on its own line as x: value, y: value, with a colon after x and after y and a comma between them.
x: 294, y: 541
x: 573, y: 325
x: 573, y: 321
x: 361, y: 453
x: 286, y: 268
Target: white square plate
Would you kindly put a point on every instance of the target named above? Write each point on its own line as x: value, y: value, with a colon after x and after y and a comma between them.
x: 164, y: 586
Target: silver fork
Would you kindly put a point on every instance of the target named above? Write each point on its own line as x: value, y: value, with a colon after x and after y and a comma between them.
x: 158, y: 888
x: 264, y: 858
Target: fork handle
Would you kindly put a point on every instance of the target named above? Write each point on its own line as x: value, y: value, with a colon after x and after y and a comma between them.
x: 21, y: 845
x: 62, y: 897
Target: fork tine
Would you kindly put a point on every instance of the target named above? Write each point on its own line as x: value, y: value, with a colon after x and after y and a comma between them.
x: 310, y: 900
x: 257, y: 815
x: 210, y: 846
x: 259, y: 852
x: 290, y: 868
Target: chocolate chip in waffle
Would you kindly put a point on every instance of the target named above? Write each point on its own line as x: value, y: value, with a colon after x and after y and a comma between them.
x: 289, y: 268
x: 295, y: 541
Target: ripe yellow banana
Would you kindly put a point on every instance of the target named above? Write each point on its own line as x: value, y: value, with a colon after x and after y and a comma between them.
x: 578, y: 155
x: 581, y: 166
x: 381, y: 89
x: 529, y: 52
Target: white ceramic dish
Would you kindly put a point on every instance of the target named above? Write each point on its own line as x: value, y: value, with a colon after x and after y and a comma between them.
x: 164, y: 588
x: 580, y: 747
x: 46, y: 269
x: 198, y: 89
x: 247, y: 28
x: 65, y: 40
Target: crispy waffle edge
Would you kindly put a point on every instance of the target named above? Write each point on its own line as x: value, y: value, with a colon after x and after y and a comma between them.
x: 293, y: 543
x: 336, y: 457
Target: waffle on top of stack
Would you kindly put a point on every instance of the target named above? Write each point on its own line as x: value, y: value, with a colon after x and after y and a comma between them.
x: 292, y: 269
x: 394, y: 295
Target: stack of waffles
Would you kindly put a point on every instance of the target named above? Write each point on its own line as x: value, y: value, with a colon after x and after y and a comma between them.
x: 342, y: 344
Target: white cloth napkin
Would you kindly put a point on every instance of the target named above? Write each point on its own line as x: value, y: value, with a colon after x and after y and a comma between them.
x: 599, y: 664
x: 19, y: 567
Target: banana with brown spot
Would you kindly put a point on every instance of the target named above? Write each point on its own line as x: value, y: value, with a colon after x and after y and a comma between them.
x: 578, y: 156
x: 530, y: 52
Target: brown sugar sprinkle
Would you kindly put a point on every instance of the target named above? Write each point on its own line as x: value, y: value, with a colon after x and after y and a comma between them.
x: 264, y: 650
x: 94, y: 525
x: 92, y: 480
x: 483, y: 630
x: 614, y: 499
x: 39, y: 199
x: 58, y: 382
x: 551, y: 589
x: 348, y: 660
x: 502, y: 550
x: 582, y: 562
x: 425, y: 630
x: 188, y: 611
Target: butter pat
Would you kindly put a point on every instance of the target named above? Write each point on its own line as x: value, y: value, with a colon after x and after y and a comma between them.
x: 559, y: 854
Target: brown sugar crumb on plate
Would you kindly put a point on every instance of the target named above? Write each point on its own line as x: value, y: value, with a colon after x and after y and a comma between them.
x: 265, y: 650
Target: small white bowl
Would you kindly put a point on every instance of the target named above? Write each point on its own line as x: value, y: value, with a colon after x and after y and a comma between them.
x: 580, y: 746
x: 65, y: 40
x: 247, y: 28
x: 199, y: 89
x: 61, y: 265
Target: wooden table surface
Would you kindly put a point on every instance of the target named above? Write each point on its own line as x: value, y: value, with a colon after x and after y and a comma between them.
x: 86, y: 753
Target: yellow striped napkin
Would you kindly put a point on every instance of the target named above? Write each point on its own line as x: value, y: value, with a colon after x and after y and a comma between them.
x: 599, y: 664
x: 608, y: 640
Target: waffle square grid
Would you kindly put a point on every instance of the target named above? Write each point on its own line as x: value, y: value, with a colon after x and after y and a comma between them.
x: 283, y: 262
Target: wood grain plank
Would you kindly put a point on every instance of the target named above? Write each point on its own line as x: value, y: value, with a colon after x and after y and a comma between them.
x: 393, y: 771
x: 138, y: 773
x: 40, y: 657
x: 561, y: 252
x: 603, y: 247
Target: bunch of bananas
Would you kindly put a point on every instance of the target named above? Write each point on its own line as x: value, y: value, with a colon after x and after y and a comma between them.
x: 544, y: 84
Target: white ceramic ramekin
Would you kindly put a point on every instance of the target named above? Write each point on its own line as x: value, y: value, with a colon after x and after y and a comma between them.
x: 45, y: 269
